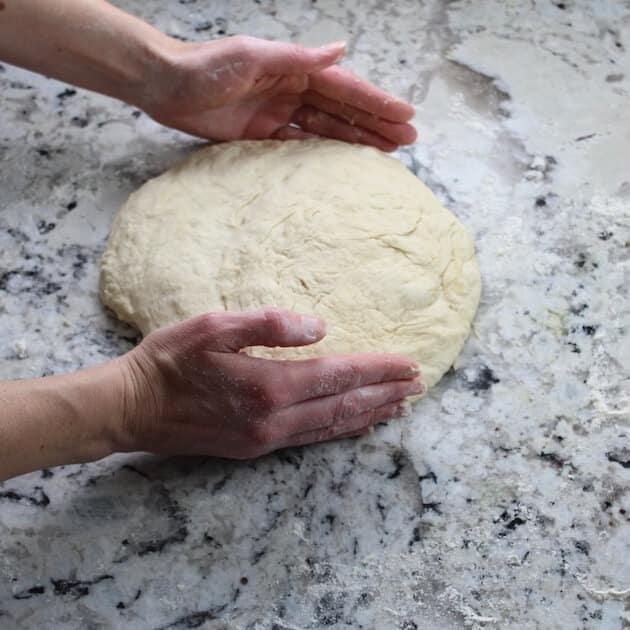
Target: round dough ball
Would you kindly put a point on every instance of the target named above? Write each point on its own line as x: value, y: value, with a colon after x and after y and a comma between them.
x: 340, y: 231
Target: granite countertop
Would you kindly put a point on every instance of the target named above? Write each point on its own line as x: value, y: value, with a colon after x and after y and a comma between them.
x: 504, y: 501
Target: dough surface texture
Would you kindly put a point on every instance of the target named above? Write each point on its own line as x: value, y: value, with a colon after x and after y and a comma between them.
x: 340, y: 231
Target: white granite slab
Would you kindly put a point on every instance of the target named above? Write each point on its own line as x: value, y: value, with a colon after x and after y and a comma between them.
x: 504, y: 501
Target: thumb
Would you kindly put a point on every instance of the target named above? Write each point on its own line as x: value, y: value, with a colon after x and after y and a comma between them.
x: 283, y: 58
x: 271, y: 327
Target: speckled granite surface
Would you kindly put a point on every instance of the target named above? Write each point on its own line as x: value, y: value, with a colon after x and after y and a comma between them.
x: 504, y: 501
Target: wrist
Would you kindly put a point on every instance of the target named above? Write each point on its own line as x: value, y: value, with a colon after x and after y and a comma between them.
x: 163, y: 73
x: 138, y: 385
x: 94, y: 398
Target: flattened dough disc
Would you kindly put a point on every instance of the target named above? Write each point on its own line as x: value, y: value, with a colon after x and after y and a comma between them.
x: 341, y: 231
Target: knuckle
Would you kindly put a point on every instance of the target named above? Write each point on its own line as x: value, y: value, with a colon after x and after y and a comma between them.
x: 209, y: 324
x: 295, y: 53
x: 297, y: 83
x: 347, y: 406
x: 348, y: 376
x: 276, y: 321
x: 261, y: 435
x: 267, y: 397
x: 244, y: 44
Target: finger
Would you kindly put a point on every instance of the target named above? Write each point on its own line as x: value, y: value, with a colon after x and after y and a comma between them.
x: 292, y: 133
x: 398, y: 133
x: 356, y: 426
x: 337, y: 411
x: 232, y: 331
x: 328, y: 376
x: 285, y: 58
x: 343, y: 86
x: 314, y: 121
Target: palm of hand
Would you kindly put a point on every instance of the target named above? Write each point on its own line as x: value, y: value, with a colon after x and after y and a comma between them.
x: 242, y: 87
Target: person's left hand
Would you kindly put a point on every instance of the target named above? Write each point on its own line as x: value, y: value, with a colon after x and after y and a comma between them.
x: 244, y: 87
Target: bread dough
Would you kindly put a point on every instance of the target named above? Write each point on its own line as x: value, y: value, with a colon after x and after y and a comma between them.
x: 340, y: 231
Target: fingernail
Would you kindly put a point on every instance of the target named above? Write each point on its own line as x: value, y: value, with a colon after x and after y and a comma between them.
x: 339, y: 47
x: 417, y: 387
x: 313, y: 327
x: 404, y: 409
x: 334, y: 45
x: 414, y: 370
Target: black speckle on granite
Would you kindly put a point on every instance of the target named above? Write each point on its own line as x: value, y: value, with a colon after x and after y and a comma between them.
x: 399, y: 459
x: 483, y: 380
x: 329, y: 519
x: 157, y: 546
x: 583, y: 547
x: 541, y: 202
x: 434, y: 506
x: 195, y: 620
x: 579, y: 309
x: 511, y: 522
x: 604, y: 235
x: 620, y: 456
x: 18, y: 235
x: 77, y: 588
x: 80, y: 121
x: 202, y: 27
x: 30, y: 592
x: 210, y: 540
x: 44, y: 227
x: 590, y: 330
x: 416, y: 536
x: 67, y: 93
x: 329, y: 608
x: 555, y: 460
x: 365, y: 598
x: 574, y: 347
x: 37, y: 498
x: 259, y: 555
x: 430, y: 476
x: 292, y: 458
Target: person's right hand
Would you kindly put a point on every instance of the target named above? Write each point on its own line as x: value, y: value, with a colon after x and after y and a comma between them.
x: 190, y: 391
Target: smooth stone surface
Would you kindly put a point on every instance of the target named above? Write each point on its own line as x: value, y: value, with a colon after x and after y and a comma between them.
x: 503, y: 501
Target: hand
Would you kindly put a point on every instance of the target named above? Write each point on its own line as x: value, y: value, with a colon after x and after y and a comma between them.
x: 244, y: 87
x: 191, y: 391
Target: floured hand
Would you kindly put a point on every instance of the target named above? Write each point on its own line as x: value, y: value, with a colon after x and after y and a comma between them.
x: 190, y: 389
x: 245, y: 87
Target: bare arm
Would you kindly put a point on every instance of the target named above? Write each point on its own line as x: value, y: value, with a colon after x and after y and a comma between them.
x: 59, y: 420
x: 88, y: 43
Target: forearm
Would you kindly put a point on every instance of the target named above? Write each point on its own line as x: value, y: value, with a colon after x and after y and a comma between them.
x: 60, y: 419
x: 88, y: 43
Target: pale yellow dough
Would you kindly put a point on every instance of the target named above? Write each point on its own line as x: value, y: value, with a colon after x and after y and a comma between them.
x: 341, y: 231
